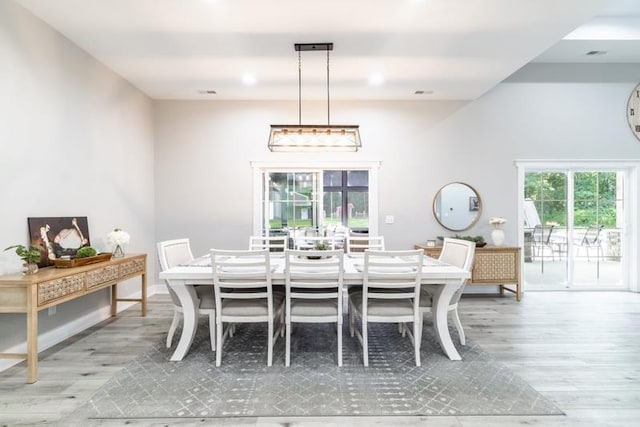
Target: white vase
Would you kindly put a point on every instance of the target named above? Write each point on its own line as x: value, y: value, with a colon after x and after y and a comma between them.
x: 497, y: 236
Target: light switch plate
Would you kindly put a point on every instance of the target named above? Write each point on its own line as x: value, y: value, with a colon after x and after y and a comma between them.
x: 388, y: 219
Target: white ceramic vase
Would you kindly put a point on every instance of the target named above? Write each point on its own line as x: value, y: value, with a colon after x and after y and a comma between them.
x: 497, y: 236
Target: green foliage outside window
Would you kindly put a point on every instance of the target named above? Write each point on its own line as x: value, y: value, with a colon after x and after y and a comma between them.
x: 594, y: 197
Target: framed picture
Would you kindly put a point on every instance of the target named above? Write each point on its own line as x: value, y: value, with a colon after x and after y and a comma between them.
x: 474, y: 204
x: 58, y: 236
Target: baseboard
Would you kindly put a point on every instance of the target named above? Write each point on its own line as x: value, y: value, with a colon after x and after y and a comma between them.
x: 67, y: 330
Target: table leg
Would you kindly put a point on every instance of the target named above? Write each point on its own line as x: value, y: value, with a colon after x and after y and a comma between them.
x: 143, y: 291
x: 32, y: 336
x: 189, y: 302
x: 114, y: 299
x: 441, y: 300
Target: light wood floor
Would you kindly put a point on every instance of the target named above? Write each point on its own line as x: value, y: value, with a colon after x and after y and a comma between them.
x: 580, y: 349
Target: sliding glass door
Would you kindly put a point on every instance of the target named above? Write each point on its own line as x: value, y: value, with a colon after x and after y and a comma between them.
x: 573, y: 228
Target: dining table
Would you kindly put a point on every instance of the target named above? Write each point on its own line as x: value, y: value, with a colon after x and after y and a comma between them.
x: 183, y: 278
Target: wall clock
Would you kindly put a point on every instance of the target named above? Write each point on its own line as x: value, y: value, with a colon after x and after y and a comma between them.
x: 633, y: 111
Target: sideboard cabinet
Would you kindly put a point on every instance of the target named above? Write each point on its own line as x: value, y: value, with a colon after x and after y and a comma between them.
x: 51, y: 286
x: 497, y: 265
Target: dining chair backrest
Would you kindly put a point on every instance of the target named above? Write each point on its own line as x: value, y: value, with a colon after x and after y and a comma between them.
x: 310, y: 242
x: 362, y: 243
x: 312, y: 274
x: 459, y: 253
x: 172, y: 253
x: 392, y: 275
x: 272, y: 243
x: 242, y: 275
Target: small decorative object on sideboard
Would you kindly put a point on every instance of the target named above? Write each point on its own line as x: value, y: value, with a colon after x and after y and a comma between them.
x: 118, y: 238
x: 30, y: 255
x: 84, y: 256
x: 478, y: 240
x: 497, y: 234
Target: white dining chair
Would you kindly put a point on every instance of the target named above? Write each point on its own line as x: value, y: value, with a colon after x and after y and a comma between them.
x: 272, y: 243
x: 390, y: 294
x: 244, y: 294
x: 314, y: 281
x: 459, y: 253
x: 361, y: 243
x: 170, y: 254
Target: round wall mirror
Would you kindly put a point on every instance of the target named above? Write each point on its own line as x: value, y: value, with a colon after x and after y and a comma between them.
x: 457, y: 206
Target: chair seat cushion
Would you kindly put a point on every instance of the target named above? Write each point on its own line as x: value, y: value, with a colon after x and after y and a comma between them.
x: 250, y: 307
x: 426, y: 300
x: 316, y: 307
x: 385, y: 308
x: 207, y: 300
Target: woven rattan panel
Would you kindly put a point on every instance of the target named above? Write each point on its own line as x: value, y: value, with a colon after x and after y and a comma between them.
x: 58, y: 288
x: 102, y: 275
x: 131, y: 267
x: 494, y: 266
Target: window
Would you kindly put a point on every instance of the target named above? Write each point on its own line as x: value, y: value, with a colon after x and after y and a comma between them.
x: 346, y: 199
x: 294, y: 198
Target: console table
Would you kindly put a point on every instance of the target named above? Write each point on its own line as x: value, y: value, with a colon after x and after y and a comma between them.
x: 51, y: 286
x: 499, y: 265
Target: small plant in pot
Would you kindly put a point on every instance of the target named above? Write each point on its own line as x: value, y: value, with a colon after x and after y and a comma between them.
x: 29, y: 255
x: 321, y: 246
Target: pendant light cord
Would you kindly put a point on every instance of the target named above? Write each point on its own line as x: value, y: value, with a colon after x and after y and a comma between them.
x: 328, y: 98
x: 299, y: 89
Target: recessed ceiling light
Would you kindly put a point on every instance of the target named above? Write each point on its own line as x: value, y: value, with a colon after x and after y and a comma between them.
x: 596, y: 52
x: 249, y: 79
x: 423, y: 92
x: 207, y: 92
x: 376, y: 79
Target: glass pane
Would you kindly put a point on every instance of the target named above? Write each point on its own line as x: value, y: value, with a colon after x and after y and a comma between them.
x: 545, y: 233
x: 585, y: 185
x: 357, y: 178
x: 532, y: 185
x: 332, y: 202
x: 332, y: 178
x: 553, y: 186
x: 358, y: 210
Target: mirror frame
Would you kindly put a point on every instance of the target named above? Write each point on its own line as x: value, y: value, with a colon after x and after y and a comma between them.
x: 475, y: 220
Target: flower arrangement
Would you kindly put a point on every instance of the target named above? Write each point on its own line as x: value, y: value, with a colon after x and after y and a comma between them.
x: 497, y: 221
x: 118, y: 237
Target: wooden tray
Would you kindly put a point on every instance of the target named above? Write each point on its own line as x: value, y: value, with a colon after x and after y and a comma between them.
x: 77, y: 262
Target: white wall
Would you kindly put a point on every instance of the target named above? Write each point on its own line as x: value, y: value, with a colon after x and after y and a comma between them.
x: 204, y: 149
x: 75, y: 139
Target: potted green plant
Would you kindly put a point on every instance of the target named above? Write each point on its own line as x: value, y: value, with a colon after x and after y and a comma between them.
x: 30, y: 255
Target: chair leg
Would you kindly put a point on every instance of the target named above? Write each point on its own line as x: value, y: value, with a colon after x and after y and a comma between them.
x: 218, y: 342
x: 270, y: 343
x: 352, y: 321
x: 399, y: 328
x: 365, y: 343
x: 416, y: 340
x: 458, y: 325
x: 212, y: 331
x: 287, y: 356
x: 339, y: 327
x: 173, y: 327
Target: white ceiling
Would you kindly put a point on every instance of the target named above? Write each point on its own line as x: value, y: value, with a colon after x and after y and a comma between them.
x: 459, y: 49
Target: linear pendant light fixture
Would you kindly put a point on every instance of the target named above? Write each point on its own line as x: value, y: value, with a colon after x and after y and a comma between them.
x: 314, y: 137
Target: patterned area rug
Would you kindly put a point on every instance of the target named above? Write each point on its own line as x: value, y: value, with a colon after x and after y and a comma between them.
x: 313, y: 385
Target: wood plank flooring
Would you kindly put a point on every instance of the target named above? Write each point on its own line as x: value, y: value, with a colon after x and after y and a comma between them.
x: 579, y: 349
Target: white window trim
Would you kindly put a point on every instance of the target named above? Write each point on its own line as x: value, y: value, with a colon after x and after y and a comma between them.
x: 259, y: 167
x: 632, y: 219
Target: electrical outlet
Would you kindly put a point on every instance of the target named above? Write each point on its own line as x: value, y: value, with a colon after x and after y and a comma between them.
x: 52, y: 310
x: 388, y: 219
